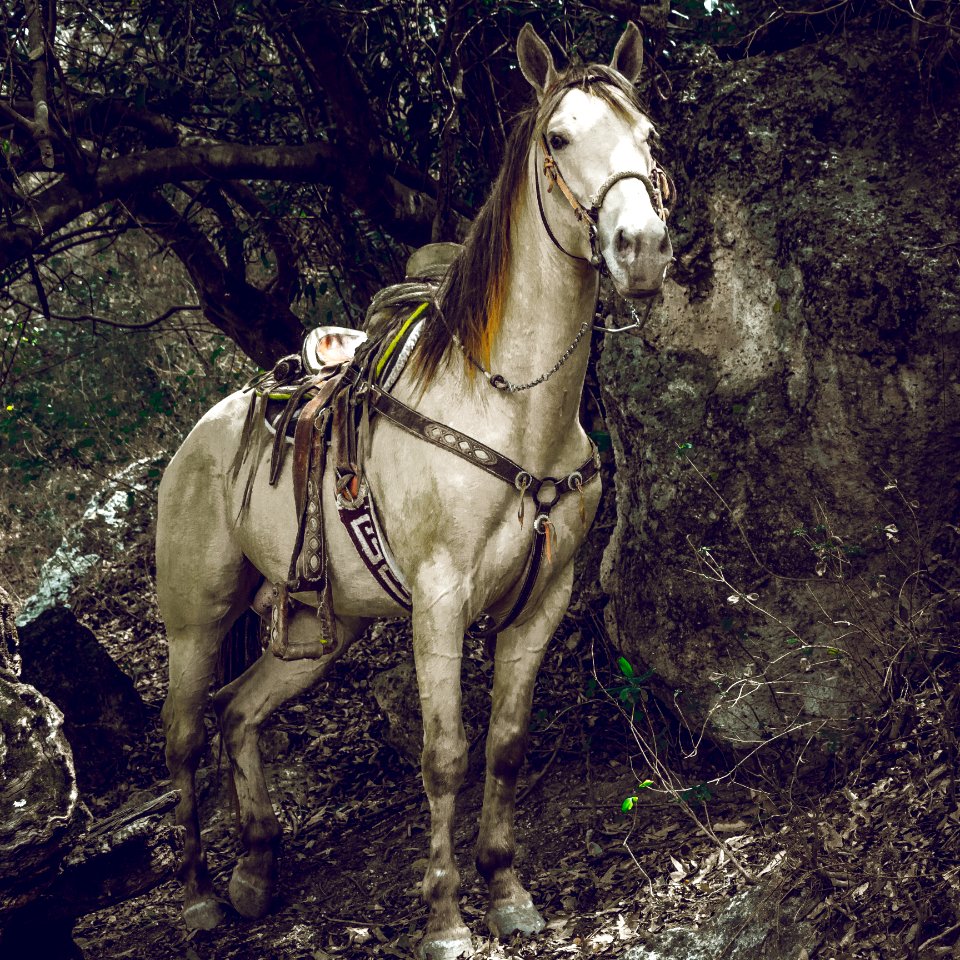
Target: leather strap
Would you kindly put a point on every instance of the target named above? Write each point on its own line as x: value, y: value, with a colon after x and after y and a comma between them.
x: 280, y: 440
x: 479, y: 454
x: 357, y: 517
x: 546, y: 222
x: 546, y: 493
x: 486, y: 625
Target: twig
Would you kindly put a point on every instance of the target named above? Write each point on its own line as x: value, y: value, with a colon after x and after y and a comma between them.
x: 940, y: 936
x: 535, y: 781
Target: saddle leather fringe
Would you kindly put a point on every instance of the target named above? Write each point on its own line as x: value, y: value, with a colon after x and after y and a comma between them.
x: 245, y: 436
x: 261, y: 447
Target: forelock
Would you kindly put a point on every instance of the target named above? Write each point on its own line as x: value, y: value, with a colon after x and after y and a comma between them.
x: 596, y: 80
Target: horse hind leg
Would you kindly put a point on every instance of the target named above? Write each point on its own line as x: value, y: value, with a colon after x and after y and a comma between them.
x: 203, y: 584
x: 242, y: 707
x: 193, y: 652
x: 519, y: 653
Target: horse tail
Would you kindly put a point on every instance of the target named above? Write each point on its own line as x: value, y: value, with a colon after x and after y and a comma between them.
x: 241, y: 647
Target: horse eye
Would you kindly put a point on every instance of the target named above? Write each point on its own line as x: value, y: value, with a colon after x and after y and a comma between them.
x: 558, y: 142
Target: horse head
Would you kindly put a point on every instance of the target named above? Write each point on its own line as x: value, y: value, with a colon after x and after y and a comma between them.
x: 593, y: 141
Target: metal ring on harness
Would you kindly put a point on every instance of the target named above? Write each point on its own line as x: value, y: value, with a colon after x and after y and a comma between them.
x: 551, y: 485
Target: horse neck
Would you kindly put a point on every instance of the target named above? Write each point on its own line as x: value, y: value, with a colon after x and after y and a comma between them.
x: 549, y: 296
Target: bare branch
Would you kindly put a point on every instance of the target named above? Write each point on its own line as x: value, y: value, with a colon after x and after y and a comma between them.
x: 401, y: 210
x: 97, y: 320
x: 37, y: 41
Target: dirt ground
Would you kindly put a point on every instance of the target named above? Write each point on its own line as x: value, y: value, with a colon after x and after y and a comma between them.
x: 866, y: 859
x: 356, y: 825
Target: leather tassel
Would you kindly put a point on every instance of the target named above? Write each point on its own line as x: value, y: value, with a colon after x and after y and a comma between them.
x: 549, y: 533
x: 246, y: 435
x: 257, y: 457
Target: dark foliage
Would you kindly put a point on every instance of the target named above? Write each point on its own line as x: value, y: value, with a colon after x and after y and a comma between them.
x: 284, y: 151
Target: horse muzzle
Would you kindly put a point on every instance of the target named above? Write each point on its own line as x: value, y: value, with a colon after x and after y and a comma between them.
x: 638, y: 257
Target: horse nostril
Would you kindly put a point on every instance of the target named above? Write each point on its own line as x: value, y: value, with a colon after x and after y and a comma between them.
x: 621, y: 241
x: 665, y: 243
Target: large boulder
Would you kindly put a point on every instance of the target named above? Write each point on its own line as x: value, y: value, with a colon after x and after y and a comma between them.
x: 104, y: 715
x: 55, y: 864
x: 784, y: 419
x: 41, y: 816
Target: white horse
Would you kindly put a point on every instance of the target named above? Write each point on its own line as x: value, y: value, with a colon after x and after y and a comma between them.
x: 513, y: 313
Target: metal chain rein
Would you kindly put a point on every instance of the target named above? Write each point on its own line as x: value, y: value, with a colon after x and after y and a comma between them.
x: 500, y: 382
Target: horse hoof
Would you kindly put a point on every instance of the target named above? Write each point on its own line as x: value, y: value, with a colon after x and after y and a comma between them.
x: 250, y: 898
x: 506, y: 919
x: 203, y: 915
x: 446, y: 946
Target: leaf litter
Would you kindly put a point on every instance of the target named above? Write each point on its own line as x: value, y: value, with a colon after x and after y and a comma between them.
x: 877, y: 860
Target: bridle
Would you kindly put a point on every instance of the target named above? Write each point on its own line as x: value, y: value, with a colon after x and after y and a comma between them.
x: 658, y: 184
x: 662, y: 192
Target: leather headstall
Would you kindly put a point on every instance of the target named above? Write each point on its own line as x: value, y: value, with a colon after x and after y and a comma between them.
x: 658, y: 183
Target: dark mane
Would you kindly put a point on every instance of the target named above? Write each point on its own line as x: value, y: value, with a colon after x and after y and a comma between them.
x: 471, y: 296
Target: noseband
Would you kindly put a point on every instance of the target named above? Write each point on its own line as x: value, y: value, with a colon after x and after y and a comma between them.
x: 658, y: 184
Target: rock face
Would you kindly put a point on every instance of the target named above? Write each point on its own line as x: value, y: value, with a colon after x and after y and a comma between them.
x: 784, y: 420
x: 757, y: 924
x: 102, y: 709
x: 102, y: 533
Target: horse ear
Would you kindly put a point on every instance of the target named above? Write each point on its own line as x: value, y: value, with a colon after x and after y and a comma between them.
x: 536, y: 61
x: 628, y: 56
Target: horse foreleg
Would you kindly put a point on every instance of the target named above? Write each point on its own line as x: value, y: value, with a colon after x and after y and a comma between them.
x: 519, y: 653
x: 438, y: 651
x: 242, y: 707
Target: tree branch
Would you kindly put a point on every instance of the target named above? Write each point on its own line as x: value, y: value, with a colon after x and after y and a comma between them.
x: 276, y: 236
x: 231, y: 304
x: 403, y: 211
x: 37, y: 43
